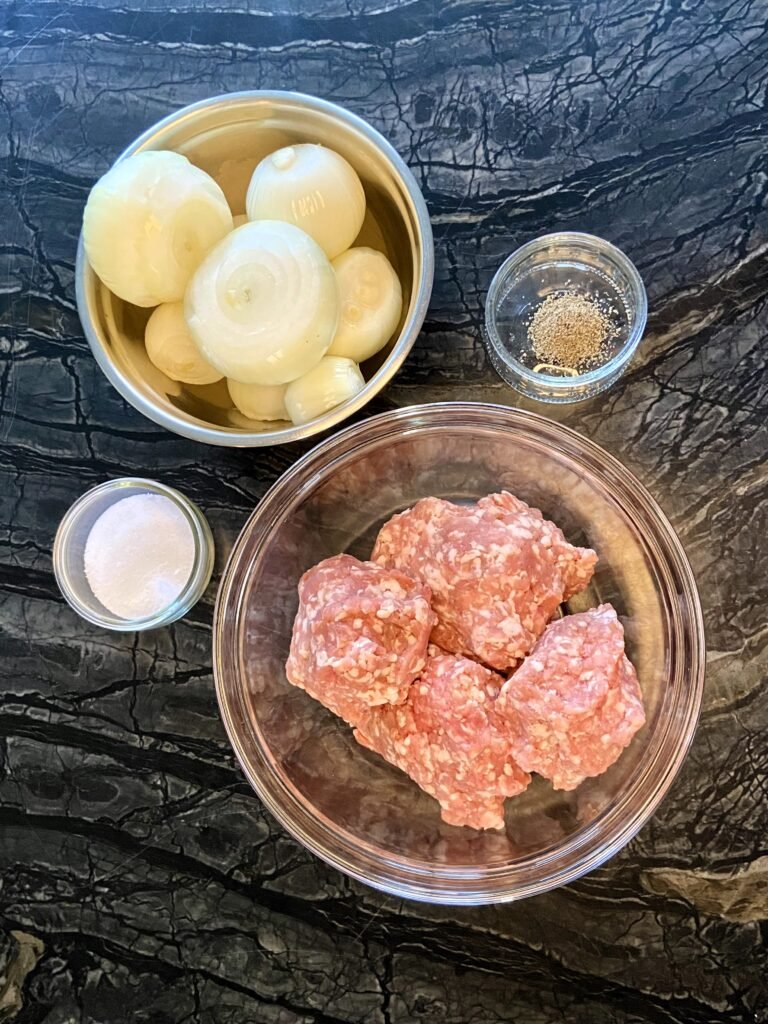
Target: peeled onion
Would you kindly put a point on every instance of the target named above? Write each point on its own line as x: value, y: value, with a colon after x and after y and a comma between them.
x: 263, y: 305
x: 334, y: 380
x: 259, y: 401
x: 148, y: 223
x: 370, y: 303
x: 315, y: 189
x: 171, y: 349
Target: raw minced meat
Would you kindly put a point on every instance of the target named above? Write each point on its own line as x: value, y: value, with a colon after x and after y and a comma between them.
x: 446, y: 737
x: 360, y: 635
x: 575, y: 702
x: 483, y: 583
x: 497, y: 572
x: 577, y: 565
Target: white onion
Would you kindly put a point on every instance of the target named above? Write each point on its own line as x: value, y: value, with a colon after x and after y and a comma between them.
x: 263, y: 305
x: 315, y: 189
x: 171, y: 349
x: 259, y: 401
x: 334, y: 380
x: 149, y: 222
x: 370, y: 303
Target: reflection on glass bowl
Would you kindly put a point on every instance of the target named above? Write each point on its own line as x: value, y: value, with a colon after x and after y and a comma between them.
x: 349, y: 806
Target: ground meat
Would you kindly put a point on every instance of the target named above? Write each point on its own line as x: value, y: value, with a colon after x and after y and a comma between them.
x: 494, y: 574
x: 575, y: 703
x: 577, y: 565
x: 445, y: 736
x: 360, y: 635
x: 497, y: 575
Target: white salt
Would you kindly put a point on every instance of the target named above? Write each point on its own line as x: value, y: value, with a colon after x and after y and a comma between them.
x: 139, y: 555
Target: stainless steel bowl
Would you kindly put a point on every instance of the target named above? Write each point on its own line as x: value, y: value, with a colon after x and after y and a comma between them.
x: 227, y: 136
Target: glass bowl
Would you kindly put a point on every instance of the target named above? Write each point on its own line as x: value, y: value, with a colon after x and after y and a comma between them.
x: 349, y: 806
x: 69, y: 553
x: 569, y: 261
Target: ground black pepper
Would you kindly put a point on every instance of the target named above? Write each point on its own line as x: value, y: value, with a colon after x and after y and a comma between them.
x: 570, y: 331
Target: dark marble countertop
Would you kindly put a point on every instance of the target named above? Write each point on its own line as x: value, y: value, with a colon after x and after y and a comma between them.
x: 140, y: 879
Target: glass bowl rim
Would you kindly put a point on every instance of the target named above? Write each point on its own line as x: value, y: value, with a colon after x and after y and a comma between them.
x: 615, y: 365
x: 419, y: 879
x: 193, y: 589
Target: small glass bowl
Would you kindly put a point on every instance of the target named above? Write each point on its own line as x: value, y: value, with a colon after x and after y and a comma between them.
x: 69, y: 554
x: 569, y: 261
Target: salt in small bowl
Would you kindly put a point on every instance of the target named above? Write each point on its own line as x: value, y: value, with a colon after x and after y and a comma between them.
x: 69, y: 554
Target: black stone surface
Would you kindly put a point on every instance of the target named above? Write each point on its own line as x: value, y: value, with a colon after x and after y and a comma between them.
x: 130, y: 845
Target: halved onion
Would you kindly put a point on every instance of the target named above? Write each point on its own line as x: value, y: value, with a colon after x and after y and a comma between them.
x: 263, y: 305
x: 315, y: 189
x: 171, y: 349
x: 334, y: 380
x: 259, y: 401
x: 148, y: 223
x: 370, y: 303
